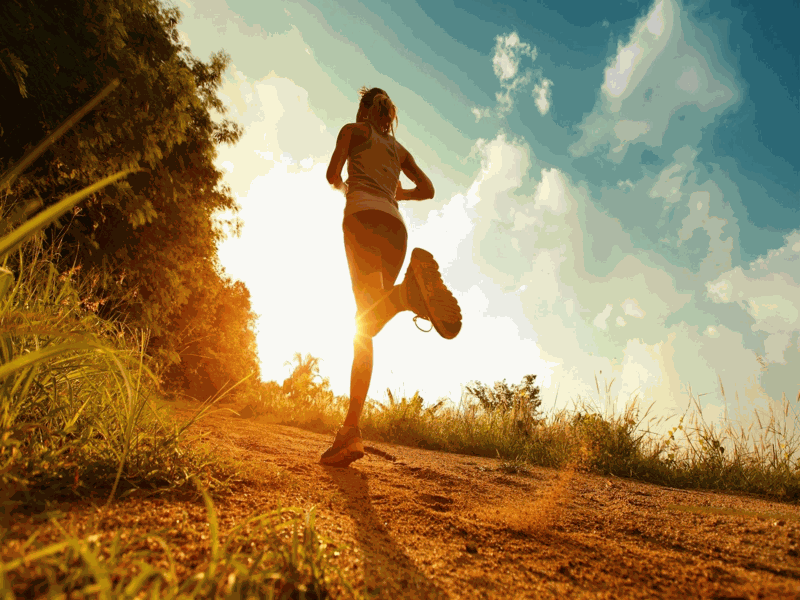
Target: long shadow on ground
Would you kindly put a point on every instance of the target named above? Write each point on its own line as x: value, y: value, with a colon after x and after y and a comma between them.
x: 388, y: 570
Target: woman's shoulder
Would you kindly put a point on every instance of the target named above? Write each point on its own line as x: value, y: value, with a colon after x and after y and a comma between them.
x: 401, y: 151
x: 358, y: 128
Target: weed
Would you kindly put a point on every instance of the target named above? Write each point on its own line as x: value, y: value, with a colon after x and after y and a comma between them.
x: 763, y: 458
x: 277, y: 555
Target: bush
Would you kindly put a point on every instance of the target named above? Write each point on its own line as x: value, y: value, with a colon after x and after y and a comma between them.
x: 504, y: 421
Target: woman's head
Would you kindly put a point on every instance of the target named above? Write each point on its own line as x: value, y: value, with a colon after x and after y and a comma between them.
x: 377, y: 107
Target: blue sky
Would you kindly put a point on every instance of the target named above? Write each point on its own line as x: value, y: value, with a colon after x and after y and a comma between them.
x: 617, y: 188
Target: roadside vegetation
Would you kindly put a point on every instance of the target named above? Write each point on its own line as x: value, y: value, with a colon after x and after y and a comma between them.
x: 506, y: 421
x: 112, y: 302
x: 82, y: 418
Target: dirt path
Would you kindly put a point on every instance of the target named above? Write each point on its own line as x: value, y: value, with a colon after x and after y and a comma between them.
x: 434, y: 525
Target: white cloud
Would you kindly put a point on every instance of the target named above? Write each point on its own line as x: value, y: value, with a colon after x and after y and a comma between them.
x: 570, y: 309
x: 600, y: 321
x: 481, y: 113
x: 671, y: 179
x: 543, y: 95
x: 509, y: 52
x: 690, y: 207
x: 631, y: 308
x: 658, y: 70
x: 627, y: 131
x: 688, y: 81
x: 648, y: 39
x: 769, y: 290
x: 269, y: 109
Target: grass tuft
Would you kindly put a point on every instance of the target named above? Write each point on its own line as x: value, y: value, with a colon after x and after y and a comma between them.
x: 276, y: 555
x: 762, y: 458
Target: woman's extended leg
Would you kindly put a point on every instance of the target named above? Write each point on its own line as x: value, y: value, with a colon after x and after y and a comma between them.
x: 375, y: 252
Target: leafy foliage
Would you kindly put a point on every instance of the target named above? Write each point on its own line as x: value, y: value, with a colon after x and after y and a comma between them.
x: 214, y: 339
x: 148, y: 244
x: 762, y: 459
x: 305, y: 382
x: 521, y: 400
x: 504, y: 398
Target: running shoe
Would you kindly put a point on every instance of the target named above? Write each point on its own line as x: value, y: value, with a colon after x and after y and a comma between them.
x: 428, y: 296
x: 347, y: 447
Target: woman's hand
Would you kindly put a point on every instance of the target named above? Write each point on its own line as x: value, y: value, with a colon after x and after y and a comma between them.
x: 400, y: 193
x: 339, y: 185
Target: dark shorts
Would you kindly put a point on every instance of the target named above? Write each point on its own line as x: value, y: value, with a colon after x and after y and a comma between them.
x: 375, y: 243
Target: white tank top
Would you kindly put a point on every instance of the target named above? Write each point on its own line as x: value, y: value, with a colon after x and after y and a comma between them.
x: 373, y: 170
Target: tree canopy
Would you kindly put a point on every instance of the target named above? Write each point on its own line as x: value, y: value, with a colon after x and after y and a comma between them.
x: 149, y: 243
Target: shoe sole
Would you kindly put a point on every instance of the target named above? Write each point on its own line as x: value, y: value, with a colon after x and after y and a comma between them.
x: 346, y: 455
x: 424, y: 268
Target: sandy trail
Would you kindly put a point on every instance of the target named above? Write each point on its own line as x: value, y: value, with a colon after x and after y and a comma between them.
x: 435, y: 525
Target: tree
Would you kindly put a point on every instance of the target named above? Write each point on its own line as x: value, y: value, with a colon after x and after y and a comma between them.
x: 150, y: 242
x: 522, y: 397
x: 216, y: 351
x: 305, y: 382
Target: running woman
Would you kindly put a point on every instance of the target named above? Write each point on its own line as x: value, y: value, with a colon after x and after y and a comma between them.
x: 375, y: 241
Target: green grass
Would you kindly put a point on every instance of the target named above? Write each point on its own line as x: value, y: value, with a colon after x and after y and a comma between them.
x: 762, y: 458
x: 80, y: 416
x: 275, y: 555
x: 79, y: 413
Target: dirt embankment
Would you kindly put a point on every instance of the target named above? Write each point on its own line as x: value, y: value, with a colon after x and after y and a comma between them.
x: 434, y: 525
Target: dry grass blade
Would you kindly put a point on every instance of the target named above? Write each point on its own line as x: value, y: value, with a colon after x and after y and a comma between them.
x: 47, y: 216
x: 7, y: 179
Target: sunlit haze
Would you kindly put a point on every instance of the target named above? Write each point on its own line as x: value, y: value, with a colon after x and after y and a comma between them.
x: 616, y: 191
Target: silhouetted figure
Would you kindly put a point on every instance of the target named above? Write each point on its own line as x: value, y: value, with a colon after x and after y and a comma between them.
x: 375, y: 241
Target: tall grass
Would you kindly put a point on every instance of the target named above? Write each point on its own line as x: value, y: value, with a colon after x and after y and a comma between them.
x: 84, y: 418
x: 594, y: 435
x: 76, y: 398
x: 78, y: 413
x: 276, y: 555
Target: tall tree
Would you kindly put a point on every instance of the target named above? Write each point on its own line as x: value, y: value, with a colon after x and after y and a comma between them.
x: 144, y: 240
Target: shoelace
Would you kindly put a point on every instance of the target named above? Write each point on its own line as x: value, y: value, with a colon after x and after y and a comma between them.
x: 420, y: 328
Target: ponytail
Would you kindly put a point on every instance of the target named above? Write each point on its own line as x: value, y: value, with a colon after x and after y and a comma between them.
x: 381, y: 111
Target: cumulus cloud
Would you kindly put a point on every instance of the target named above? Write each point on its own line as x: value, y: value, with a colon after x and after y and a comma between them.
x: 768, y: 290
x: 656, y: 72
x: 631, y: 308
x: 508, y: 51
x: 684, y: 207
x: 507, y: 58
x: 480, y: 113
x: 633, y: 59
x: 279, y: 127
x: 533, y: 239
x: 542, y: 93
x: 601, y: 320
